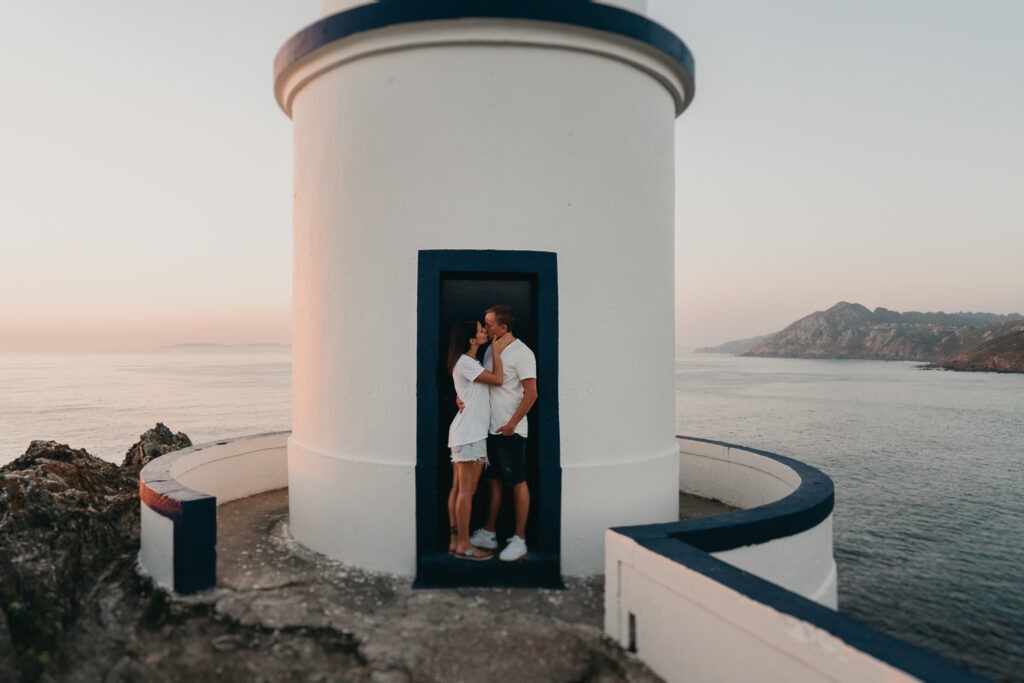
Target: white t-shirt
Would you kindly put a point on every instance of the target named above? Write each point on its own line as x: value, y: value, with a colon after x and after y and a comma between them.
x: 518, y: 363
x: 471, y: 424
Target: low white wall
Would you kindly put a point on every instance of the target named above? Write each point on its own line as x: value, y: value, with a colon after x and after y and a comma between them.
x: 761, y: 610
x: 169, y: 485
x: 732, y: 475
x: 236, y: 469
x: 690, y: 627
x: 801, y: 562
x: 156, y: 550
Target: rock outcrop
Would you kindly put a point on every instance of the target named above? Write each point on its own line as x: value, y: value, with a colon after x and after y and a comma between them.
x: 65, y: 517
x: 852, y: 331
x: 1003, y: 354
x: 152, y: 444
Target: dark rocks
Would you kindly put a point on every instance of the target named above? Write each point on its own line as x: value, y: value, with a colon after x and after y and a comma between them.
x: 67, y: 518
x: 64, y: 516
x: 8, y: 657
x: 154, y: 443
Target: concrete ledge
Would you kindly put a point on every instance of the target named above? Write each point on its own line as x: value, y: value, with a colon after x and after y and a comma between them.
x: 690, y: 616
x: 180, y: 493
x: 687, y: 596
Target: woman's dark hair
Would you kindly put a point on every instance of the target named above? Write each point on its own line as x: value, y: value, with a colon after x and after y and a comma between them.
x: 458, y: 341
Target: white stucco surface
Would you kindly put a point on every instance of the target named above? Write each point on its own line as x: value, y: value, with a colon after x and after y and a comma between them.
x: 360, y: 512
x: 732, y: 475
x: 236, y: 469
x: 480, y: 135
x: 803, y: 562
x: 156, y: 547
x: 689, y: 627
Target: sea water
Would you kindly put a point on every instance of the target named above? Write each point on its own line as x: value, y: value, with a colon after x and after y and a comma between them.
x: 928, y: 468
x: 928, y: 465
x: 103, y: 401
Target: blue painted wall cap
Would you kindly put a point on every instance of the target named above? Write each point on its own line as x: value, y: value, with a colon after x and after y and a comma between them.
x: 578, y: 13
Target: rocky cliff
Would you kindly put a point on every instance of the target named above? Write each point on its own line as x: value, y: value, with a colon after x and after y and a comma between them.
x: 853, y: 331
x: 67, y: 520
x: 1005, y: 353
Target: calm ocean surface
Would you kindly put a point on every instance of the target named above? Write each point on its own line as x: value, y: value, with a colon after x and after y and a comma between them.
x: 928, y: 466
x: 103, y: 401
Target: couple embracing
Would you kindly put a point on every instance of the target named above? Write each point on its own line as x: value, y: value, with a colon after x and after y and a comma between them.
x: 489, y: 432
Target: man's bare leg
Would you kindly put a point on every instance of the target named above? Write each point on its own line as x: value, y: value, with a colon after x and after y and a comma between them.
x: 494, y: 505
x: 521, y: 505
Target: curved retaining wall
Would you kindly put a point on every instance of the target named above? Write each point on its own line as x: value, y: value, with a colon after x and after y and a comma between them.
x: 180, y: 493
x: 748, y: 594
x: 783, y: 532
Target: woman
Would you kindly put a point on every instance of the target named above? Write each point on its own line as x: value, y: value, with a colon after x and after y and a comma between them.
x: 467, y: 436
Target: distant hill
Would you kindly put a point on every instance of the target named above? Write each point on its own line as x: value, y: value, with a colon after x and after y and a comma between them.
x: 853, y: 331
x: 735, y: 348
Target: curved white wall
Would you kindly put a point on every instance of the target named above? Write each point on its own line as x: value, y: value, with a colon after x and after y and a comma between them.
x: 802, y: 562
x: 479, y: 135
x: 171, y: 484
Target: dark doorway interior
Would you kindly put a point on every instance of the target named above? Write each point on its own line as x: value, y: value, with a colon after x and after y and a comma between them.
x: 456, y: 286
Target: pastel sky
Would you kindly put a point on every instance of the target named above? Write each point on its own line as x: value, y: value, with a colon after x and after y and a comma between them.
x: 862, y: 150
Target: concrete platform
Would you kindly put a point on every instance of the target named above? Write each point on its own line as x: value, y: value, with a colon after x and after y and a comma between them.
x: 268, y: 581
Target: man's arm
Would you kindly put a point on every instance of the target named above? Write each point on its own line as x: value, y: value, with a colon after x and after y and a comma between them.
x: 529, y: 398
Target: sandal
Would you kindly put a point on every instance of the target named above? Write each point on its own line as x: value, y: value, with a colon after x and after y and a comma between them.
x: 452, y: 539
x: 475, y: 554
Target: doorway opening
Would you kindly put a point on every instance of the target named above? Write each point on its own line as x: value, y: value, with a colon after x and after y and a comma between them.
x: 457, y: 285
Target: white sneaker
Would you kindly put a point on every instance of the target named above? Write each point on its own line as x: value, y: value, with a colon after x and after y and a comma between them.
x: 515, y: 549
x: 482, y: 538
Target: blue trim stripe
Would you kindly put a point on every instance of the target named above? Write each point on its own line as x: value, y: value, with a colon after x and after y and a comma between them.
x: 805, y: 508
x: 576, y: 13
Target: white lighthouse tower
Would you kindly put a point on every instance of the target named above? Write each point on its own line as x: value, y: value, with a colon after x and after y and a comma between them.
x: 454, y: 154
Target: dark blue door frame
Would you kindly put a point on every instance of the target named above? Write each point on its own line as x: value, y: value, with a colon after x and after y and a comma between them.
x: 542, y: 566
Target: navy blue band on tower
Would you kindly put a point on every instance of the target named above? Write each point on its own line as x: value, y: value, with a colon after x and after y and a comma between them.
x: 579, y: 13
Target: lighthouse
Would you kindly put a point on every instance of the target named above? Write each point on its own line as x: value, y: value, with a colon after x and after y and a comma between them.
x: 450, y: 155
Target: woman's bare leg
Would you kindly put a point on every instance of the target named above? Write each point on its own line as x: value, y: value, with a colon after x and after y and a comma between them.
x: 452, y: 496
x: 468, y: 474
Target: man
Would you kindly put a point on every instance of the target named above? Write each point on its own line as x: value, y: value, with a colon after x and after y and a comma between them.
x: 506, y: 443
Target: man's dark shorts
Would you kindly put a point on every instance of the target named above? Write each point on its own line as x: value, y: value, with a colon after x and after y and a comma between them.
x: 508, y: 458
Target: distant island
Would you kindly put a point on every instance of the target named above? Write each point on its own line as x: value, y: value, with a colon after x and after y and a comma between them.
x: 199, y: 346
x: 955, y: 341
